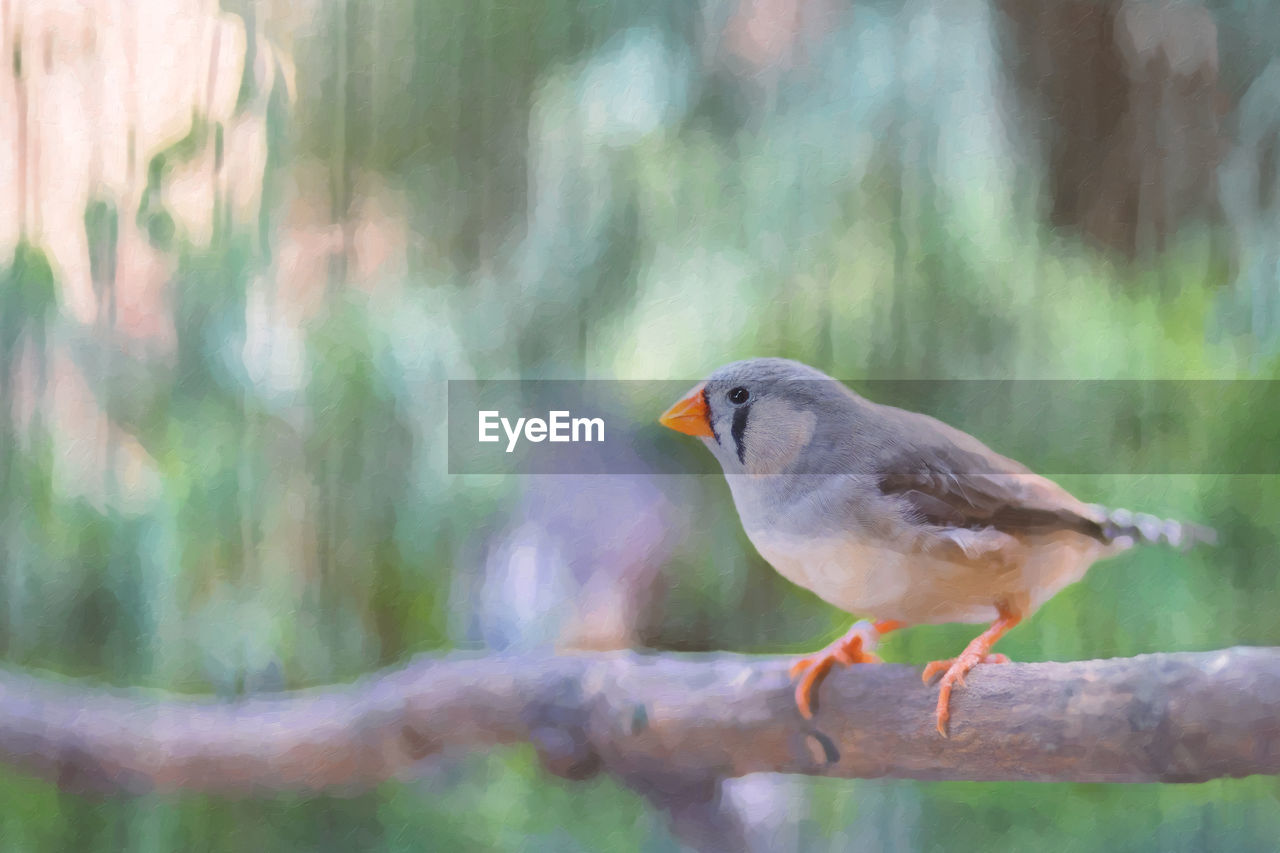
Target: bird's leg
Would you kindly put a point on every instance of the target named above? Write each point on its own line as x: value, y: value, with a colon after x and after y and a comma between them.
x: 978, y: 651
x: 856, y: 646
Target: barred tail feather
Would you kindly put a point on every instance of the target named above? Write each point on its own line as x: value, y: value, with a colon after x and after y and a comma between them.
x: 1119, y: 525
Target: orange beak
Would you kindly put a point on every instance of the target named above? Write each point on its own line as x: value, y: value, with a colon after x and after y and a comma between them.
x: 690, y: 415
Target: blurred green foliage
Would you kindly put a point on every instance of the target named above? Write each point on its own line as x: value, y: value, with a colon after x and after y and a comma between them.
x: 567, y: 221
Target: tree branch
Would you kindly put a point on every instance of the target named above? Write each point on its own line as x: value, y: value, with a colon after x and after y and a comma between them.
x: 670, y: 721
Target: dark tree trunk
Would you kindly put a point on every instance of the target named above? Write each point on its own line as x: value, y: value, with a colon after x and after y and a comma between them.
x: 1124, y: 99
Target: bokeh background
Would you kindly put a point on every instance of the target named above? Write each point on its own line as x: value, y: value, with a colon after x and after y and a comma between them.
x: 244, y: 245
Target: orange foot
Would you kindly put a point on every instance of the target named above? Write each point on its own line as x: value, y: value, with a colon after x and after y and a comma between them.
x: 978, y: 651
x: 932, y: 668
x: 854, y: 647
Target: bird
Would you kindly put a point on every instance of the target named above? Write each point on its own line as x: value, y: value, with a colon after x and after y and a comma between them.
x: 895, y: 515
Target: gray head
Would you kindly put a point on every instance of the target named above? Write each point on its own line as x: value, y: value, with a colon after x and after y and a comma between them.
x: 758, y: 415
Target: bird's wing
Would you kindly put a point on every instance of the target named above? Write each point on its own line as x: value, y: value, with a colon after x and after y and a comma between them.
x: 948, y: 478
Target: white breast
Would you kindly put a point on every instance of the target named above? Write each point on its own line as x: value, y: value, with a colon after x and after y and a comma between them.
x: 854, y: 576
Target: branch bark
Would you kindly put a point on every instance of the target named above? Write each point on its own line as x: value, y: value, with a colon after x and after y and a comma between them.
x: 669, y: 722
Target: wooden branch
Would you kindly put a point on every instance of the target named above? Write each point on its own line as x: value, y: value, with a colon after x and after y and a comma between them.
x: 677, y: 722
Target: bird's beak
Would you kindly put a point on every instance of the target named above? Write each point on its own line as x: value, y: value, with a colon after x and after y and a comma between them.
x: 690, y: 415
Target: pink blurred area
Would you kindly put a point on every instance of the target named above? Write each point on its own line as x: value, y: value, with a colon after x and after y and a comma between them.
x: 103, y: 87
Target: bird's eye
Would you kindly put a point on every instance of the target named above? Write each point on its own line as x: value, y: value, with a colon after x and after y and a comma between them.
x: 738, y: 395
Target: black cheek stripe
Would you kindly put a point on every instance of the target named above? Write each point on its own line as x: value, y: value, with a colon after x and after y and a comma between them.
x: 739, y: 431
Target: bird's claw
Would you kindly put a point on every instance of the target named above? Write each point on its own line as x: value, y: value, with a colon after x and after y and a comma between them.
x: 838, y: 656
x: 954, y: 671
x: 932, y: 669
x: 847, y: 651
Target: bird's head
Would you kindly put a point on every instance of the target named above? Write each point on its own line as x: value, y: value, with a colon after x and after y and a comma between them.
x: 757, y: 416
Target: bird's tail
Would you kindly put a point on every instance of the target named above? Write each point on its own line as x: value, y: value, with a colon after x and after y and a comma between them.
x: 1119, y: 525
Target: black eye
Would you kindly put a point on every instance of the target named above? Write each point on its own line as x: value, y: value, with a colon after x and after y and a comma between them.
x: 738, y: 395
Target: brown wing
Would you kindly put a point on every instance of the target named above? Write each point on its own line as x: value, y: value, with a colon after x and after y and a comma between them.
x: 950, y: 479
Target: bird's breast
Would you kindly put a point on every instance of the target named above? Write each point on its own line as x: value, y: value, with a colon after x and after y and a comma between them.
x: 868, y: 576
x: 857, y: 576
